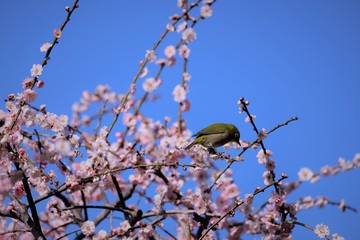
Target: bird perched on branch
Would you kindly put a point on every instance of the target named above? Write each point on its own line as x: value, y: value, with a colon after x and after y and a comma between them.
x: 216, y: 135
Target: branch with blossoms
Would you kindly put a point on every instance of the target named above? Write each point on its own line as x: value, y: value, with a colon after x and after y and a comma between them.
x: 245, y: 148
x: 66, y: 177
x: 239, y: 202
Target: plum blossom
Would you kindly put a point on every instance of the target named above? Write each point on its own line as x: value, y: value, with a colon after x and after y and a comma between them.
x: 200, y: 205
x: 181, y: 3
x: 144, y: 72
x: 124, y: 227
x: 150, y: 55
x: 321, y: 230
x: 63, y: 146
x: 181, y: 27
x: 189, y: 35
x: 184, y: 51
x: 45, y: 47
x: 179, y: 93
x: 170, y: 27
x: 305, y: 174
x: 40, y: 84
x: 101, y: 235
x: 36, y: 70
x: 170, y: 51
x: 29, y: 95
x: 262, y: 134
x: 27, y: 83
x: 129, y: 120
x: 337, y: 237
x: 249, y: 198
x: 247, y: 119
x: 185, y: 105
x: 186, y: 76
x: 206, y: 11
x: 42, y: 188
x: 321, y: 201
x: 151, y: 84
x: 262, y: 158
x: 231, y: 191
x: 88, y: 228
x: 57, y: 33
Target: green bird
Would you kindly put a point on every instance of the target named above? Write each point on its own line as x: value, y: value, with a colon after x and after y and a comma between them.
x: 216, y: 135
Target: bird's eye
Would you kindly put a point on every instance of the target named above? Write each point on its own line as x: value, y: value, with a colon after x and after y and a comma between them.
x: 236, y: 135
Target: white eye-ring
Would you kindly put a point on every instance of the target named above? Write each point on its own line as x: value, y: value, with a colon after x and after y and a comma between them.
x: 236, y: 135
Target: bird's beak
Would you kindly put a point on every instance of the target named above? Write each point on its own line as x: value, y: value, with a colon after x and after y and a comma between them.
x: 239, y: 143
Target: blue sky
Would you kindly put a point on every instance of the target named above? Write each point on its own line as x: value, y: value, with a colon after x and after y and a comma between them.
x: 289, y: 58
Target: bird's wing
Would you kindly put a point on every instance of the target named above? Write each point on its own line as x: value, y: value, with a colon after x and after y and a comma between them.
x: 211, y: 130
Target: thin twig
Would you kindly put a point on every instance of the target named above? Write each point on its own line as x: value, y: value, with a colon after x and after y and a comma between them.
x: 143, y: 64
x: 47, y: 57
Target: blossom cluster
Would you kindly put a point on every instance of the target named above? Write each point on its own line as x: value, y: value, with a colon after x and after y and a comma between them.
x: 142, y: 173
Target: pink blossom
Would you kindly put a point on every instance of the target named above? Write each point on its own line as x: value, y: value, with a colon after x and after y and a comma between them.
x: 124, y: 227
x: 321, y: 230
x: 40, y: 84
x: 101, y: 235
x: 200, y: 206
x: 337, y: 237
x: 151, y: 84
x: 171, y: 61
x: 249, y: 198
x: 162, y: 61
x: 132, y: 88
x: 181, y: 3
x: 184, y: 51
x: 205, y: 11
x: 29, y: 95
x: 185, y: 105
x: 88, y: 228
x: 262, y: 134
x: 144, y: 72
x: 326, y: 170
x: 170, y: 51
x: 150, y: 55
x: 270, y: 165
x: 129, y: 120
x: 231, y: 191
x: 267, y: 178
x: 179, y: 93
x: 181, y: 26
x: 42, y: 188
x: 247, y: 119
x: 262, y: 158
x: 305, y: 174
x: 321, y: 201
x: 307, y: 202
x: 18, y: 189
x: 63, y: 146
x: 36, y: 70
x: 186, y: 76
x: 57, y: 33
x: 170, y: 27
x: 45, y: 47
x: 27, y: 83
x: 189, y: 35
